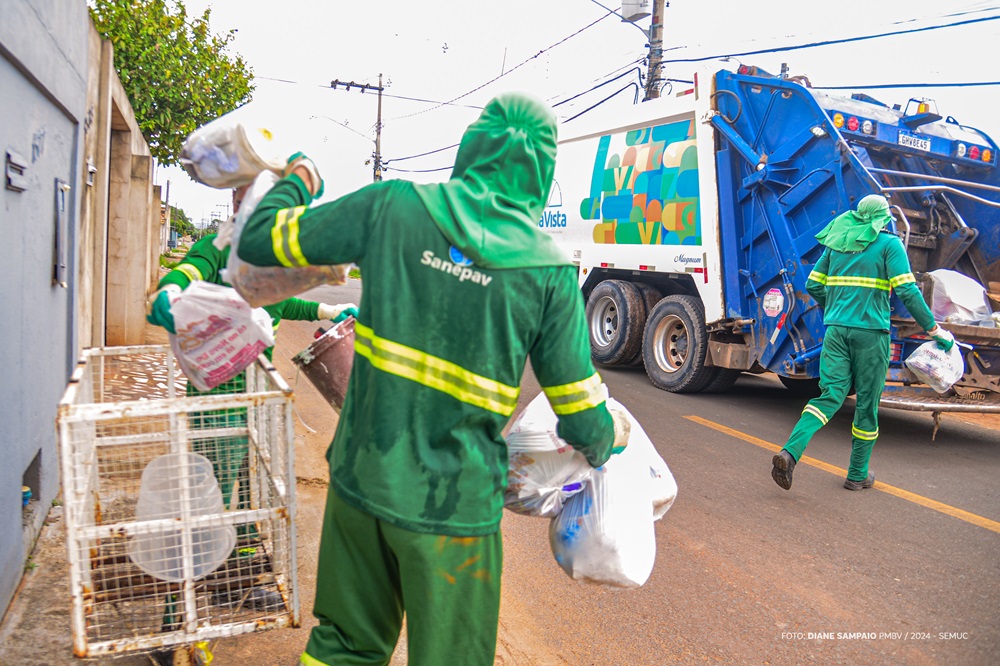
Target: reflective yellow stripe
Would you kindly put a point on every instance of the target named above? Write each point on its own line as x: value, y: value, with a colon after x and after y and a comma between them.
x: 308, y: 660
x: 434, y: 372
x: 815, y: 412
x: 293, y: 235
x: 575, y: 396
x: 863, y: 434
x: 855, y: 281
x: 818, y: 277
x: 903, y: 278
x: 277, y: 244
x: 191, y: 271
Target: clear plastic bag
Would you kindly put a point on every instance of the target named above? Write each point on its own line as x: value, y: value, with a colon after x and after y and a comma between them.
x: 543, y: 470
x: 264, y: 285
x: 663, y: 487
x: 936, y: 367
x: 226, y: 153
x: 604, y: 534
x: 218, y: 333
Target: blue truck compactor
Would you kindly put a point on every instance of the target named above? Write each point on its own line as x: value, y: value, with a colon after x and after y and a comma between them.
x: 695, y: 232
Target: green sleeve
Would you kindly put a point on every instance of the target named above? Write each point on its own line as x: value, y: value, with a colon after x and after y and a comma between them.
x: 283, y: 232
x: 203, y: 261
x: 902, y: 280
x: 816, y: 284
x: 297, y: 309
x: 560, y: 358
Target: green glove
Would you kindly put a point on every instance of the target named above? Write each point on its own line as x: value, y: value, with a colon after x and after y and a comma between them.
x: 944, y: 339
x: 158, y: 313
x: 301, y: 159
x: 345, y: 313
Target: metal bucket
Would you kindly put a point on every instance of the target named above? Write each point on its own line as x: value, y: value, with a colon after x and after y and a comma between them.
x: 327, y: 362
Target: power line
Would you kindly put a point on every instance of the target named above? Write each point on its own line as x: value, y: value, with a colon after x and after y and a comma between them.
x: 519, y: 65
x: 830, y: 42
x: 429, y: 152
x: 384, y: 94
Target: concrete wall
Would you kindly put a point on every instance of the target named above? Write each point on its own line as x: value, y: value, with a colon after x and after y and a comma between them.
x: 43, y: 95
x: 86, y: 202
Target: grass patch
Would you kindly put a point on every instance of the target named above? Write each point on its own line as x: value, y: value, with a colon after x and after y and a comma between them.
x: 354, y: 273
x: 167, y: 261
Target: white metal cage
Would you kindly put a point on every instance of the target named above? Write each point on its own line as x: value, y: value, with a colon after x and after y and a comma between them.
x: 125, y: 407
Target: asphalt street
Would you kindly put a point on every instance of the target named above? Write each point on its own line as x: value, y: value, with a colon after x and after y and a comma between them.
x: 749, y: 573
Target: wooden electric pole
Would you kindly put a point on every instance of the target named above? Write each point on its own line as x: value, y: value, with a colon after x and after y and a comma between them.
x: 653, y: 75
x: 377, y: 168
x: 378, y: 135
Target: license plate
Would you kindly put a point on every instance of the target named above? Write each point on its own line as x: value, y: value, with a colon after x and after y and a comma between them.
x: 910, y: 141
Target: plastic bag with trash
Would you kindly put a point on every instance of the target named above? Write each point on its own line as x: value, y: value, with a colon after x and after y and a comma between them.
x: 543, y: 470
x: 218, y: 333
x: 959, y: 299
x: 936, y: 367
x: 264, y: 285
x: 230, y: 151
x: 604, y: 534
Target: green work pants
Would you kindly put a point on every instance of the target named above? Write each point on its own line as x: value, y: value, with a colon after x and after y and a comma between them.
x: 370, y: 572
x: 849, y: 355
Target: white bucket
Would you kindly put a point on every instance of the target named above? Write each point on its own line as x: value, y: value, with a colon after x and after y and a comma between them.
x: 178, y: 487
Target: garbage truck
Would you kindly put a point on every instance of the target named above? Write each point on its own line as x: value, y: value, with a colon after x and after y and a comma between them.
x: 692, y: 219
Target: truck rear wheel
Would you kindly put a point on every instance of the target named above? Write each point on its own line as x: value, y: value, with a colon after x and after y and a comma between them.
x: 650, y: 297
x: 675, y: 344
x: 615, y: 314
x: 722, y: 380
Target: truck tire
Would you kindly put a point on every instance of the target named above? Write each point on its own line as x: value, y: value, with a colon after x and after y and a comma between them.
x: 650, y: 297
x: 615, y: 315
x: 675, y: 344
x: 722, y: 380
x: 807, y: 388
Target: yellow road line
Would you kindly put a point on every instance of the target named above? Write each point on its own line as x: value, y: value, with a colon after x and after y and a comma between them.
x: 972, y: 518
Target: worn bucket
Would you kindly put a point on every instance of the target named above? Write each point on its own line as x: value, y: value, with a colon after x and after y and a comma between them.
x: 327, y: 362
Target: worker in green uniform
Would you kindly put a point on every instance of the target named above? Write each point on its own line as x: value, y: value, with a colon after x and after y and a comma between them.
x: 461, y: 288
x: 205, y: 261
x: 852, y: 282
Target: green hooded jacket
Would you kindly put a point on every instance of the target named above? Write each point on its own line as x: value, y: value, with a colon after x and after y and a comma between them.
x: 854, y: 278
x: 460, y: 291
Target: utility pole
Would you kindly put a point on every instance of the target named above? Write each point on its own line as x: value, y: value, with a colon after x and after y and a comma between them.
x: 377, y: 157
x: 377, y: 173
x: 653, y: 75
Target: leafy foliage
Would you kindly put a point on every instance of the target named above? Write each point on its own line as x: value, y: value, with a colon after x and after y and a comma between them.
x: 181, y: 222
x: 178, y: 76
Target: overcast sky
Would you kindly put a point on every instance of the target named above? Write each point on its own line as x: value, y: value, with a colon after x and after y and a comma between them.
x: 444, y: 50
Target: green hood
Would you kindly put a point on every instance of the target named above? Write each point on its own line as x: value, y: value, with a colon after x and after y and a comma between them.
x: 854, y: 230
x: 490, y: 208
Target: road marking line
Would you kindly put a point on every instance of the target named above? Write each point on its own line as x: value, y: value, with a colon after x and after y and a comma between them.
x: 949, y: 510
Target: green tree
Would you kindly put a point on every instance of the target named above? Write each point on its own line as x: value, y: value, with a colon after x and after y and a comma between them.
x: 180, y: 221
x: 178, y: 76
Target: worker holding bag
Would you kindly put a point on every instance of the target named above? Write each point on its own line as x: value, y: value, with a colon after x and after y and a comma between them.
x: 461, y: 289
x: 852, y: 282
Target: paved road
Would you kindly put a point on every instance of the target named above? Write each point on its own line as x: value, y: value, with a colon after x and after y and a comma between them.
x: 748, y: 573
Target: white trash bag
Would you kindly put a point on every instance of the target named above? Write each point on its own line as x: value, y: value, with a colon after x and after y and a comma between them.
x: 218, y: 333
x: 604, y: 534
x: 263, y: 285
x: 936, y: 367
x: 958, y: 298
x: 230, y: 151
x: 663, y: 486
x: 544, y: 471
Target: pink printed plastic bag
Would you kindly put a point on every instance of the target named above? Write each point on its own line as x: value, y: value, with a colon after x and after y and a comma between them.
x: 218, y: 333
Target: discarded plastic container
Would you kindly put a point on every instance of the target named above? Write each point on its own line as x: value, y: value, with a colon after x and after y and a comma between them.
x: 327, y: 362
x: 230, y: 151
x: 180, y: 487
x: 25, y: 495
